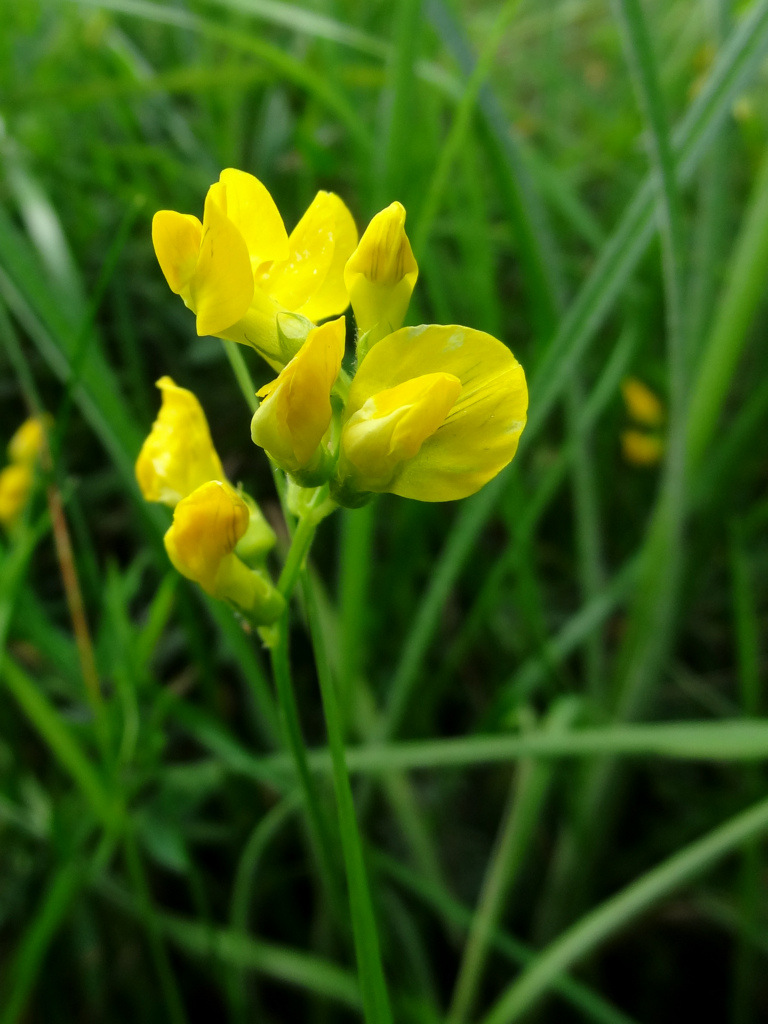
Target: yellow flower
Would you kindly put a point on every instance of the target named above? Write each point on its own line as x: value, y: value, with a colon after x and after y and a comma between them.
x: 201, y: 542
x: 381, y: 275
x: 27, y: 443
x: 239, y: 269
x: 178, y: 455
x: 433, y: 414
x: 24, y: 449
x: 642, y: 404
x: 295, y: 411
x: 15, y: 485
x: 641, y: 449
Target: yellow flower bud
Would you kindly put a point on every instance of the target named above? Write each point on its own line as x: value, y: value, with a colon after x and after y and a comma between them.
x: 178, y: 455
x: 640, y: 449
x: 15, y: 486
x: 239, y: 269
x: 393, y: 425
x: 295, y: 411
x: 642, y: 404
x: 381, y: 275
x: 201, y: 541
x: 27, y: 443
x: 433, y: 413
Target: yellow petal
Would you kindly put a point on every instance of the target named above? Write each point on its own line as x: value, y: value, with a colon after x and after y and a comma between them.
x: 201, y: 541
x: 332, y: 297
x: 28, y: 441
x: 15, y: 486
x: 178, y: 455
x: 206, y: 527
x: 641, y: 449
x: 381, y: 274
x: 392, y: 426
x: 295, y: 411
x: 480, y: 433
x: 293, y: 282
x: 252, y: 210
x: 222, y: 285
x: 176, y: 238
x: 642, y: 405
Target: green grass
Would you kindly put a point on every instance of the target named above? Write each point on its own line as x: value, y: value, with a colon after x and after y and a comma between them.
x: 508, y: 758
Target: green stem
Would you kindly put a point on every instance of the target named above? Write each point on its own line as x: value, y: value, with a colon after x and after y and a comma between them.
x: 297, y: 553
x: 294, y: 740
x: 373, y: 986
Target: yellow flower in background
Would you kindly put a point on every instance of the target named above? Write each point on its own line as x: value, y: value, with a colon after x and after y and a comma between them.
x: 381, y: 275
x: 239, y: 269
x: 178, y: 455
x: 27, y: 443
x: 642, y: 404
x: 201, y: 541
x: 295, y: 411
x: 15, y: 486
x: 433, y: 414
x: 642, y: 447
x: 16, y: 479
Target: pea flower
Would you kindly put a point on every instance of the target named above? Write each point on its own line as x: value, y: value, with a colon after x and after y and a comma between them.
x: 239, y: 270
x: 17, y: 478
x: 201, y: 541
x: 642, y: 447
x: 179, y: 456
x: 295, y: 411
x: 433, y: 413
x: 380, y: 276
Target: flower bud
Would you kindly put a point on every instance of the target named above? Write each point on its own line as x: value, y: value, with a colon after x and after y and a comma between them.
x: 295, y: 411
x: 178, y: 455
x: 201, y: 541
x: 380, y: 276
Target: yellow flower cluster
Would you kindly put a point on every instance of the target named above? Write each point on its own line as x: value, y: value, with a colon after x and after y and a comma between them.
x: 17, y: 477
x: 430, y: 412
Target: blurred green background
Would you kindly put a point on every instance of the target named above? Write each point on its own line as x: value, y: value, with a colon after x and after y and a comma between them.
x: 587, y: 182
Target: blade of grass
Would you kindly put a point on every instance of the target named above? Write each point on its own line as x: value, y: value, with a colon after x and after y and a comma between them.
x: 24, y: 970
x: 57, y: 736
x: 321, y: 87
x: 616, y: 913
x: 738, y: 303
x: 734, y: 740
x: 588, y: 1002
x: 527, y: 795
